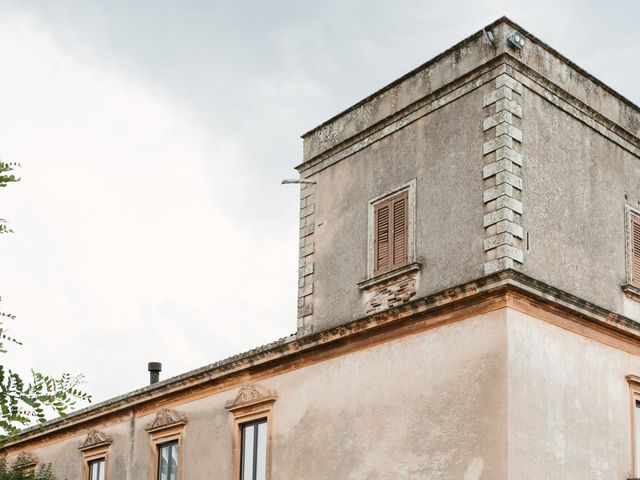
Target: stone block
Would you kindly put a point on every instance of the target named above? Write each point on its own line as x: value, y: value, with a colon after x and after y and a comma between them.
x: 305, y: 310
x: 511, y: 227
x: 307, y: 190
x: 498, y: 216
x: 510, y: 178
x: 307, y: 230
x: 497, y: 191
x: 497, y: 265
x: 504, y: 80
x: 306, y: 290
x: 497, y: 94
x: 495, y: 241
x: 501, y: 141
x: 496, y: 167
x: 509, y: 202
x: 307, y: 210
x: 507, y: 129
x: 509, y: 106
x: 497, y: 118
x: 306, y: 269
x: 307, y: 249
x: 510, y: 252
x: 510, y: 154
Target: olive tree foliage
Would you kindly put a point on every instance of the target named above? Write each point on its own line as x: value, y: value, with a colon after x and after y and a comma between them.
x: 25, y: 402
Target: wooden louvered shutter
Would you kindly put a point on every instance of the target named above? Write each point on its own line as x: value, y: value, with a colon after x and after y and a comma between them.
x: 400, y: 230
x: 391, y: 233
x: 635, y: 249
x: 382, y: 237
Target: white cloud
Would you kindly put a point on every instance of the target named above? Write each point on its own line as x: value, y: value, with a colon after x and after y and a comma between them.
x: 123, y: 252
x: 150, y: 224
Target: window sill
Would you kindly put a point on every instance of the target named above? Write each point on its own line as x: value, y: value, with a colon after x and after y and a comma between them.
x: 631, y: 291
x: 370, y: 282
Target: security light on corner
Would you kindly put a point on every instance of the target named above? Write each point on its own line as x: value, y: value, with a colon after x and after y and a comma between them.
x: 517, y: 40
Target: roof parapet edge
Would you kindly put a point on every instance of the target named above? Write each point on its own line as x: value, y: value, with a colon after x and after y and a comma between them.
x: 503, y: 19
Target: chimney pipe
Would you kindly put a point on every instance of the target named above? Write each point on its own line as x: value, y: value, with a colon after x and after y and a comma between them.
x: 154, y: 372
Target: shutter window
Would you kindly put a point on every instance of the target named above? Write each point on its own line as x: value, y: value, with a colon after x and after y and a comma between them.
x: 635, y: 249
x: 391, y: 233
x: 382, y: 237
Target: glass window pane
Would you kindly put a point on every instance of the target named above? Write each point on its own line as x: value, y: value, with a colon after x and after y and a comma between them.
x: 261, y: 453
x: 96, y: 469
x: 163, y: 467
x: 247, y: 452
x: 174, y: 462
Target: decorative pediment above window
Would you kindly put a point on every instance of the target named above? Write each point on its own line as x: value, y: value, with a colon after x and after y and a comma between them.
x: 95, y: 439
x: 251, y: 394
x: 166, y: 419
x: 25, y: 461
x: 252, y: 406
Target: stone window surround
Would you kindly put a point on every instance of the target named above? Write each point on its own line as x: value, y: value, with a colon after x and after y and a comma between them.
x: 95, y: 447
x: 634, y: 396
x: 169, y: 430
x: 95, y: 453
x: 410, y: 188
x: 252, y: 403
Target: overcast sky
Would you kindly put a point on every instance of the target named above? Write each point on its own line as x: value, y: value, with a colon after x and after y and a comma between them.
x: 150, y: 223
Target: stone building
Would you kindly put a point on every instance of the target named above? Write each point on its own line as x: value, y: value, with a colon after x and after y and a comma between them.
x: 468, y: 298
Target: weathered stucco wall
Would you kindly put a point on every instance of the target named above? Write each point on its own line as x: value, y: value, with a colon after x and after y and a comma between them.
x: 442, y: 151
x: 430, y: 405
x: 573, y: 178
x: 575, y: 182
x: 569, y: 404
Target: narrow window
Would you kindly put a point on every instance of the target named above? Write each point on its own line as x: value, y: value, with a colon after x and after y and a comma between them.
x: 634, y: 386
x: 635, y: 249
x: 637, y: 439
x: 96, y: 469
x: 168, y: 461
x: 391, y: 233
x: 253, y: 458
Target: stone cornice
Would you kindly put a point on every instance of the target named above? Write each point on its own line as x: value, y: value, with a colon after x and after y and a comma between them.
x: 294, y: 350
x: 458, y: 62
x: 504, y: 63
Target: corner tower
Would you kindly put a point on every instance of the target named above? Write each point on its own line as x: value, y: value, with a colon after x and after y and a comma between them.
x: 498, y: 154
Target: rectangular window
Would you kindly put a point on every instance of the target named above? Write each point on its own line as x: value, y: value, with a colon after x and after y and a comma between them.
x: 168, y: 461
x: 634, y: 390
x: 96, y: 469
x: 253, y: 458
x: 635, y: 249
x: 391, y: 233
x: 637, y: 439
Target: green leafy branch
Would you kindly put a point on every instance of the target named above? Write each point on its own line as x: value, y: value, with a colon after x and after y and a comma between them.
x: 23, y: 403
x: 6, y: 177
